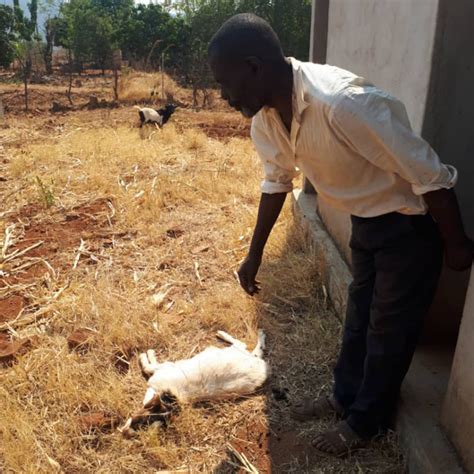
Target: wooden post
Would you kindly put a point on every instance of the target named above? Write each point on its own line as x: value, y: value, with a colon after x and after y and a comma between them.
x: 317, y: 48
x: 163, y: 76
x: 117, y: 63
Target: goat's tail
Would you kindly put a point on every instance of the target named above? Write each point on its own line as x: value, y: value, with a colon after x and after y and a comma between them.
x: 260, y: 347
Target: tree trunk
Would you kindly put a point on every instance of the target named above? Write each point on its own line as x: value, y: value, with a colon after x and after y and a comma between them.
x: 25, y: 82
x: 48, y: 50
x: 195, y: 96
x: 116, y: 82
x: 163, y: 77
x: 70, y: 67
x: 26, y: 75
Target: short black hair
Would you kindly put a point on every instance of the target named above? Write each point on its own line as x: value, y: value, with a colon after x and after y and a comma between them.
x: 246, y: 35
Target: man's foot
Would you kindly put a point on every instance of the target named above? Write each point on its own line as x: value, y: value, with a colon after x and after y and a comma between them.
x: 338, y: 442
x: 310, y: 408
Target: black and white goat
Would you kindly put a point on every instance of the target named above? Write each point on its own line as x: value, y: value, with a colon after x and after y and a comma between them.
x: 160, y: 116
x: 210, y: 375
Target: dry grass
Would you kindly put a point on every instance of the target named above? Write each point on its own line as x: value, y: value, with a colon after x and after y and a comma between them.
x: 171, y: 199
x: 146, y: 87
x: 142, y: 87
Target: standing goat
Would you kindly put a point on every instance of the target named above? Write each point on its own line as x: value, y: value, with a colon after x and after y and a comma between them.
x: 160, y: 116
x: 210, y: 375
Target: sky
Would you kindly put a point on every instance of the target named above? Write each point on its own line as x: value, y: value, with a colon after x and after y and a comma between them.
x: 43, y: 15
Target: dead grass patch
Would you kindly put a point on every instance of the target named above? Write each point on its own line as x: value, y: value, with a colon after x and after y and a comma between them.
x: 173, y: 200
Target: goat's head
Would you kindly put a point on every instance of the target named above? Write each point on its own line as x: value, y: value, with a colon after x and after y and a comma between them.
x: 170, y: 108
x: 157, y: 407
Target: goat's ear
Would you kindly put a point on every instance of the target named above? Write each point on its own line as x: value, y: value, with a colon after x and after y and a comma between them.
x: 255, y: 64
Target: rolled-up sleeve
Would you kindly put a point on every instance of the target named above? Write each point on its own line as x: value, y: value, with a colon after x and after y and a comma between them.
x: 377, y: 127
x: 279, y: 171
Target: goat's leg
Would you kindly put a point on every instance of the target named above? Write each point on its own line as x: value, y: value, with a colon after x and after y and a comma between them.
x: 228, y: 338
x: 259, y: 348
x: 148, y: 362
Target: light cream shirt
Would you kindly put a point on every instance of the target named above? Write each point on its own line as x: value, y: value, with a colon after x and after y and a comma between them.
x: 354, y: 143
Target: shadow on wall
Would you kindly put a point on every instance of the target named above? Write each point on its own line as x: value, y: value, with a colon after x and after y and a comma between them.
x: 448, y: 122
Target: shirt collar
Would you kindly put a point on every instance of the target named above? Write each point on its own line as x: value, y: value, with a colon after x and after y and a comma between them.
x: 300, y: 101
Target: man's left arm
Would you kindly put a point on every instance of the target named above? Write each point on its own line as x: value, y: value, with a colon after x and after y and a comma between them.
x: 443, y: 207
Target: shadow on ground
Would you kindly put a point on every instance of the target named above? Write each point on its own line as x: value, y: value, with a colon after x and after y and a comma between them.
x: 302, y: 343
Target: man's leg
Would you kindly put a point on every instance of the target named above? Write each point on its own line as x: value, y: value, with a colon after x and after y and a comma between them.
x: 407, y: 261
x: 407, y: 270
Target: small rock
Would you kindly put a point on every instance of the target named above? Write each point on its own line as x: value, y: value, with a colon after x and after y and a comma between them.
x: 10, y: 349
x: 57, y: 107
x: 280, y: 394
x: 81, y: 339
x: 93, y: 102
x: 166, y: 264
x: 174, y: 232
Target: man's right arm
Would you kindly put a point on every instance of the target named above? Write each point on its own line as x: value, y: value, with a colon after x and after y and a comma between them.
x: 268, y: 212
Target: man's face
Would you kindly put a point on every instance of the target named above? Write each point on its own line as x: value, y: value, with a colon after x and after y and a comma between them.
x: 241, y: 84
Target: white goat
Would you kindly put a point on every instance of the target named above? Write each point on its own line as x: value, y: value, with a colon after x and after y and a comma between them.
x: 212, y: 374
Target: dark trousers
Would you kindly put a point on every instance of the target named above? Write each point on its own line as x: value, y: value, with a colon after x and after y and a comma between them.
x: 396, y: 262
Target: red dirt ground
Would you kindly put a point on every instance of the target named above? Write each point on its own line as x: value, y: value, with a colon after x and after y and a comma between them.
x: 61, y: 233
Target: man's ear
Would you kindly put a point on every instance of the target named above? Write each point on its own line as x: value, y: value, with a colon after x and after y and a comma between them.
x: 255, y: 64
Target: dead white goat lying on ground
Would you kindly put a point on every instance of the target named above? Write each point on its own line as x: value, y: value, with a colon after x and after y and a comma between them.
x: 210, y: 375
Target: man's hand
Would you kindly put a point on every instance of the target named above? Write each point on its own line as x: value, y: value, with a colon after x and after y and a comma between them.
x: 460, y: 256
x: 247, y: 273
x: 443, y: 206
x: 268, y: 211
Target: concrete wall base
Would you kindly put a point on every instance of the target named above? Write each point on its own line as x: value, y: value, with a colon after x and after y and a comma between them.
x: 426, y: 448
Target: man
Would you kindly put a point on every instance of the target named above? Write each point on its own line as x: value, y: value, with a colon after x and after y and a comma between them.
x: 355, y: 144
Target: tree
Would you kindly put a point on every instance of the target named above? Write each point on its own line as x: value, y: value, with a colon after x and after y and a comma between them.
x: 51, y: 29
x: 89, y: 33
x: 7, y: 35
x: 27, y: 32
x: 147, y: 31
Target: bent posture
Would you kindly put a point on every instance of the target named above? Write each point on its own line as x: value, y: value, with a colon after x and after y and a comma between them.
x: 210, y: 375
x: 355, y: 144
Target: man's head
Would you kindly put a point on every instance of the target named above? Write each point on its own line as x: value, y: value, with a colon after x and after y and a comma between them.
x: 241, y: 55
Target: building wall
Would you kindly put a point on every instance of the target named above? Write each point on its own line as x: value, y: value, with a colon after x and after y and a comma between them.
x: 458, y: 410
x: 411, y: 49
x: 376, y: 38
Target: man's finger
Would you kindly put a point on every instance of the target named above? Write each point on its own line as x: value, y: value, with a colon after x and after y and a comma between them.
x: 254, y: 289
x: 244, y: 283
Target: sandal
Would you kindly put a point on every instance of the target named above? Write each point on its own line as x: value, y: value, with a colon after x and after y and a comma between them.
x: 320, y: 408
x: 338, y: 442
